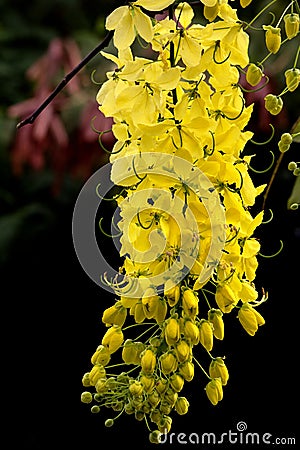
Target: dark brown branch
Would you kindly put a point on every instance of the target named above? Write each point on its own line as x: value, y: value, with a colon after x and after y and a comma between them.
x: 30, y: 119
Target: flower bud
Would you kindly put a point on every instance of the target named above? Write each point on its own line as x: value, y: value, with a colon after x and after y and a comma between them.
x: 218, y: 369
x: 101, y: 356
x: 172, y: 292
x: 164, y: 425
x: 168, y: 363
x: 254, y: 74
x: 183, y: 351
x: 165, y: 408
x: 86, y: 380
x: 109, y: 422
x: 291, y: 25
x: 136, y: 388
x: 139, y: 415
x: 182, y: 405
x: 292, y: 165
x: 155, y: 415
x: 215, y: 317
x: 148, y: 383
x: 286, y: 138
x: 206, y: 334
x: 95, y: 409
x: 250, y: 319
x: 154, y: 399
x: 191, y: 331
x: 148, y: 361
x: 273, y: 104
x: 115, y: 315
x: 86, y: 397
x: 214, y: 390
x: 186, y: 370
x: 172, y: 331
x: 97, y: 372
x: 113, y: 338
x: 154, y: 437
x: 162, y: 385
x: 272, y: 38
x: 101, y: 385
x: 138, y: 312
x: 190, y: 303
x: 170, y: 397
x: 176, y: 382
x: 292, y: 79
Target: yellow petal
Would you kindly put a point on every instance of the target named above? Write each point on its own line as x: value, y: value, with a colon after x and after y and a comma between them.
x: 113, y: 20
x: 124, y: 33
x: 184, y: 14
x: 156, y: 5
x: 143, y: 25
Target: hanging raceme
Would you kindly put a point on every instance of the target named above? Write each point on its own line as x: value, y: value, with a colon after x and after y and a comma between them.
x: 188, y: 241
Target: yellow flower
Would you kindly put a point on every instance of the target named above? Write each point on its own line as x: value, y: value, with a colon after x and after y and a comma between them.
x: 218, y: 369
x: 250, y: 319
x: 113, y: 338
x: 127, y: 21
x: 214, y: 390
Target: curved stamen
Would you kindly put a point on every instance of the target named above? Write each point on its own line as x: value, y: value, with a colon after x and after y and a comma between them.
x: 105, y: 233
x: 268, y: 140
x: 269, y: 220
x: 274, y: 254
x: 110, y: 199
x: 135, y: 172
x: 265, y: 170
x: 217, y: 46
x: 93, y: 78
x: 140, y: 223
x: 257, y: 89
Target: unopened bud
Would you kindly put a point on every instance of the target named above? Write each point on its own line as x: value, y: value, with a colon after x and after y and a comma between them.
x: 292, y: 79
x: 254, y: 74
x: 86, y: 397
x: 272, y: 38
x: 291, y: 25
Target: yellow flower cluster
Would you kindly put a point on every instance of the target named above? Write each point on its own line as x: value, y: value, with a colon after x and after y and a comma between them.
x: 184, y: 104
